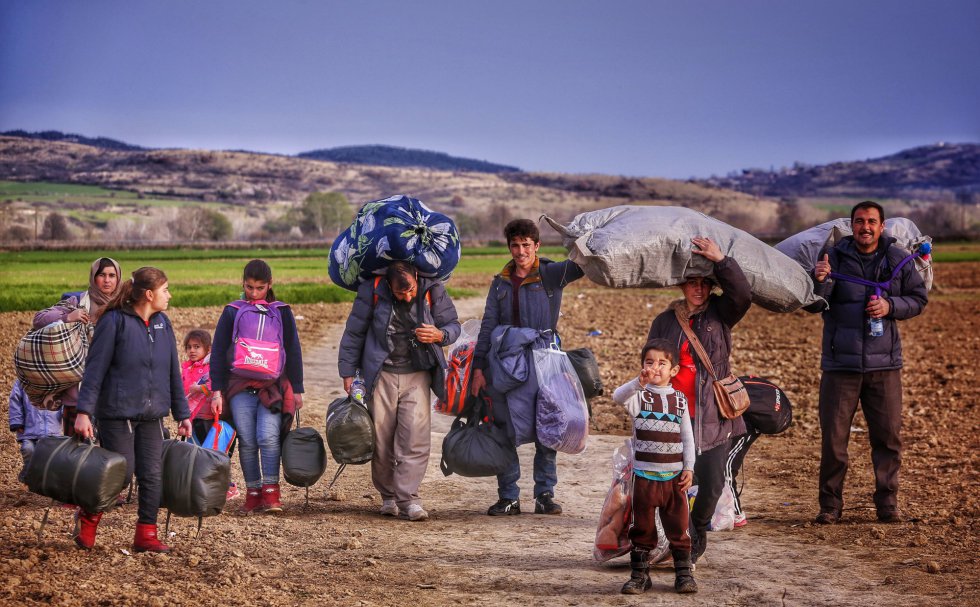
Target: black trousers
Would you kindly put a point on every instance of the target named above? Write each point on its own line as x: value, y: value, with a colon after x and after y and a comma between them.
x: 141, y: 443
x: 736, y: 456
x: 709, y: 475
x: 880, y: 395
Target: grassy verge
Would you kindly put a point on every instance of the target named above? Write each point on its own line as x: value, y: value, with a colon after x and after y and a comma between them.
x: 35, y: 280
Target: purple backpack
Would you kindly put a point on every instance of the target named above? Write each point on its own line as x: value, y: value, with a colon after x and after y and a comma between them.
x: 258, y: 350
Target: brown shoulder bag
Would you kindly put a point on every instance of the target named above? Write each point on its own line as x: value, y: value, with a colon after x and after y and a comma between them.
x: 730, y: 395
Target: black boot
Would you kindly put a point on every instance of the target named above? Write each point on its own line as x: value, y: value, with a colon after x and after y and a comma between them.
x: 683, y: 580
x: 639, y: 581
x: 699, y: 542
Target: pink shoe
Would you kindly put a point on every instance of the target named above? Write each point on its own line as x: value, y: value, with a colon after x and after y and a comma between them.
x: 740, y: 521
x: 232, y: 492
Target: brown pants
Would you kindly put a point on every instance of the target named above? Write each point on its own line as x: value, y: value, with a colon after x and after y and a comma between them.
x: 880, y: 395
x: 647, y: 497
x: 401, y: 409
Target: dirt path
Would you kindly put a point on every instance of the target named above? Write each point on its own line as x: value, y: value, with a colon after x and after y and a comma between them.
x: 528, y: 560
x: 339, y: 551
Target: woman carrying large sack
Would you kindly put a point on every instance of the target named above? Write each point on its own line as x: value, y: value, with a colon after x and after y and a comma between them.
x: 711, y: 318
x: 131, y: 382
x: 83, y: 306
x: 391, y: 317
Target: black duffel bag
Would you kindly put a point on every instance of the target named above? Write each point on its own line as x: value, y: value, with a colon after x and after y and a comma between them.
x: 304, y: 457
x: 477, y: 447
x: 587, y: 369
x: 350, y: 432
x: 770, y: 411
x: 195, y: 480
x: 75, y: 472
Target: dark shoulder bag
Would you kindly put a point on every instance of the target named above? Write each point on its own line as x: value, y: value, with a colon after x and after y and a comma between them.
x: 730, y: 395
x: 422, y: 355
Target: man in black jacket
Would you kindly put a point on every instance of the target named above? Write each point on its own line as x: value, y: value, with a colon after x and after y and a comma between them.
x: 859, y: 366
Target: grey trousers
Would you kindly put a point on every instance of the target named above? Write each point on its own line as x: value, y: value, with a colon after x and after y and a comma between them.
x: 880, y: 395
x: 401, y: 408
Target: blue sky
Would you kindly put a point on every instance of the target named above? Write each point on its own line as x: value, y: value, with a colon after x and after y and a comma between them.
x: 653, y: 88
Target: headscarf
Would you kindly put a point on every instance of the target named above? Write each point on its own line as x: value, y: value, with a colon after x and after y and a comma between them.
x: 98, y: 299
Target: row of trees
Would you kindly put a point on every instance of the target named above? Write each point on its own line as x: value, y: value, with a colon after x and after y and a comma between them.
x: 322, y: 215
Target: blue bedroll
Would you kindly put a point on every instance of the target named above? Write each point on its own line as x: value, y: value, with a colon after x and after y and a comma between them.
x: 399, y: 228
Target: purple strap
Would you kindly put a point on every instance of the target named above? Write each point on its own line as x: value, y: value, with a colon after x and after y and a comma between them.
x: 878, y: 286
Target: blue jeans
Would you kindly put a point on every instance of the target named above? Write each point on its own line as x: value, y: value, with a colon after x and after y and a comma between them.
x: 258, y: 439
x: 545, y: 474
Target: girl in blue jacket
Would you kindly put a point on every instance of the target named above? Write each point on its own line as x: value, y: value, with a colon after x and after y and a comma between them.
x: 131, y: 382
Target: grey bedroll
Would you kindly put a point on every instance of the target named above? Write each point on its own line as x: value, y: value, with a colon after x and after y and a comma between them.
x: 639, y: 246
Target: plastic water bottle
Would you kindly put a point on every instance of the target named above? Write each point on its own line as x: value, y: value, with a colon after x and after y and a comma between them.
x: 357, y: 390
x: 876, y: 327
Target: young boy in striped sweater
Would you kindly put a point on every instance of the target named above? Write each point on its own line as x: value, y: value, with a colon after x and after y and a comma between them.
x: 663, y: 464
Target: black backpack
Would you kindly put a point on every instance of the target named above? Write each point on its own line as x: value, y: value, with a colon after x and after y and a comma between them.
x: 770, y: 411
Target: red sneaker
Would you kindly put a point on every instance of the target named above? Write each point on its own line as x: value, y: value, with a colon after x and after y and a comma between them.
x: 232, y: 492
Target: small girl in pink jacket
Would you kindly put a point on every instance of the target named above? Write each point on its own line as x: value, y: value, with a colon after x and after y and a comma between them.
x: 196, y: 375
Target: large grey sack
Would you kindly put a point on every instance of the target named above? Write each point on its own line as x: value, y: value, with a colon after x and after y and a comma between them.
x: 633, y: 246
x: 807, y: 246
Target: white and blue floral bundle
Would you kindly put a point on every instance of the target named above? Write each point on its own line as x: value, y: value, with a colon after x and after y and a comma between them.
x: 399, y: 228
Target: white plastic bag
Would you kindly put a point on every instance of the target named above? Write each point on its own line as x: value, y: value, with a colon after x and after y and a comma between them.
x: 724, y: 517
x: 562, y: 417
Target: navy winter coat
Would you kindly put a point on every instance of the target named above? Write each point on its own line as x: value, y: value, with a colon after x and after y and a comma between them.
x: 132, y: 371
x: 540, y: 301
x: 366, y: 342
x: 846, y: 343
x: 540, y: 306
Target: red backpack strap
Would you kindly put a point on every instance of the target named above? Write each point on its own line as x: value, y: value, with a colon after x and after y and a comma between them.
x: 377, y: 281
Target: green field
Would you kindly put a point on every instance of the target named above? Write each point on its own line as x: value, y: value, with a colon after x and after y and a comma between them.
x: 34, y: 280
x: 44, y: 192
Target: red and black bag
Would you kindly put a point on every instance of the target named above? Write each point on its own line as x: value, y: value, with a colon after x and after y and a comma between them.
x: 460, y: 366
x: 770, y: 411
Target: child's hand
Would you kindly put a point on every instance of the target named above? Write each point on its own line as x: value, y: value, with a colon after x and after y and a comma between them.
x: 646, y: 376
x: 687, y: 478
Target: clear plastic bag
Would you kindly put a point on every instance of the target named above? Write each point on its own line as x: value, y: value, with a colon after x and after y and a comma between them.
x: 562, y: 418
x: 612, y: 535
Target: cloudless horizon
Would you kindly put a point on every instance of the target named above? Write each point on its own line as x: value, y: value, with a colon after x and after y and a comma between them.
x: 644, y: 88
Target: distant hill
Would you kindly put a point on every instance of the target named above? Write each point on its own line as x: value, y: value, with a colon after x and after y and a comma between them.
x: 938, y: 171
x: 390, y: 156
x: 99, y: 142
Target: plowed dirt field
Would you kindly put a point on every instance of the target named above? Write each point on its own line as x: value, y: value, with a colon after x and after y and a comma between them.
x: 338, y: 550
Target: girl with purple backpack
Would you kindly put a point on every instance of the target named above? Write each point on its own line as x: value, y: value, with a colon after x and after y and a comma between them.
x: 257, y: 371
